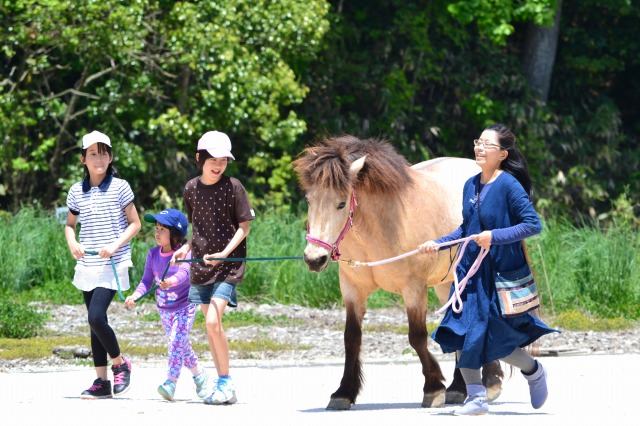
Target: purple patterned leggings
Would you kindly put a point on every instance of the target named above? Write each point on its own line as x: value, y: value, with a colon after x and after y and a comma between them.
x: 177, y: 325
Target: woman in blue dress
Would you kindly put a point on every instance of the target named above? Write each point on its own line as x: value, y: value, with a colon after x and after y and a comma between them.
x: 479, y: 334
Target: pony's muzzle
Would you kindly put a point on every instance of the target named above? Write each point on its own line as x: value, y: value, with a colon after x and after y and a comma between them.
x: 316, y: 263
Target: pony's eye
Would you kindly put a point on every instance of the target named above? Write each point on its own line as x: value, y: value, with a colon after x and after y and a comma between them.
x: 341, y: 205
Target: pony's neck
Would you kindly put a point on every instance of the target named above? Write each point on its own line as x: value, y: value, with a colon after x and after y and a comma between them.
x: 379, y: 214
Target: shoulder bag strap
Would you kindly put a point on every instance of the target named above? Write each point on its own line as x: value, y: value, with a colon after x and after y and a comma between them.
x: 480, y: 219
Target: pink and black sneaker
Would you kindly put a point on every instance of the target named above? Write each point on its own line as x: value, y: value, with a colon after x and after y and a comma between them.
x: 121, y: 377
x: 100, y: 389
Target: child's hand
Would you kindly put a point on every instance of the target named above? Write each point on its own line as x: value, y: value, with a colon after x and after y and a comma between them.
x: 130, y: 302
x: 164, y: 284
x: 77, y: 250
x: 213, y: 262
x: 179, y: 254
x: 107, y: 251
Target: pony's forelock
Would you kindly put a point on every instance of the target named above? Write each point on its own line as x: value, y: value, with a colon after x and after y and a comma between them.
x: 327, y: 164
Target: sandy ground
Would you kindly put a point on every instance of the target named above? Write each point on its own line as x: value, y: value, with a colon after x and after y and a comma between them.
x: 592, y: 390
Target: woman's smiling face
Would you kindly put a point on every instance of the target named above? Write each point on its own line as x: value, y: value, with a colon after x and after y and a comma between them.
x: 487, y: 149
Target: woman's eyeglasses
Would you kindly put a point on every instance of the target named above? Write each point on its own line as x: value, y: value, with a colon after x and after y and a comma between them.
x: 485, y: 144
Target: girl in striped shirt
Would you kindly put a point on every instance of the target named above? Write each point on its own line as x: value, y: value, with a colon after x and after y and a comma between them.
x: 103, y: 205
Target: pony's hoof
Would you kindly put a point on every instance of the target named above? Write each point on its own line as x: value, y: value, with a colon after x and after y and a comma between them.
x: 494, y: 392
x: 339, y: 404
x: 433, y: 400
x: 455, y: 397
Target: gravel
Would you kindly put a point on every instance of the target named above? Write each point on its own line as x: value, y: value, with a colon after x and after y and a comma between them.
x: 316, y: 336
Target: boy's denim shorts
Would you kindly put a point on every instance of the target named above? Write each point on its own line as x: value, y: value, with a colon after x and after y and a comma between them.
x: 202, y: 294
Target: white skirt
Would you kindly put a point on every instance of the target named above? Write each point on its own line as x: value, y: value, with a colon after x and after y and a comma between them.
x: 88, y: 278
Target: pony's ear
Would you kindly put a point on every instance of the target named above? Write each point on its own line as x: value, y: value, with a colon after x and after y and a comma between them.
x: 356, y: 166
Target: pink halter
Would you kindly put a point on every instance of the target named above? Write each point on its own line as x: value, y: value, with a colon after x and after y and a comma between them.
x: 335, y: 253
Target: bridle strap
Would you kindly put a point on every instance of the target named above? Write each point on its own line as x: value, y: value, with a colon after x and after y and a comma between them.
x: 333, y: 248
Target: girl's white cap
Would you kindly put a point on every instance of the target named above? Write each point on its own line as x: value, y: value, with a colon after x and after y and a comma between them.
x: 95, y: 137
x: 217, y: 144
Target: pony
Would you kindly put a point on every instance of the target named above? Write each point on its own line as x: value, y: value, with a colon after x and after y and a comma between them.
x: 367, y: 203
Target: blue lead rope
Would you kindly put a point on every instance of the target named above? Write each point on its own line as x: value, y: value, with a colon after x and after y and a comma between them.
x: 227, y: 259
x: 115, y: 272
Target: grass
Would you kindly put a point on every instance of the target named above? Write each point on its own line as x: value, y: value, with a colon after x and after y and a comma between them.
x: 593, y: 269
x: 42, y: 347
x: 580, y: 321
x: 37, y: 347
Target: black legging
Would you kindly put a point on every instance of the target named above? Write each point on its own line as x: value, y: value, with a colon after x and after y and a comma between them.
x: 103, y: 338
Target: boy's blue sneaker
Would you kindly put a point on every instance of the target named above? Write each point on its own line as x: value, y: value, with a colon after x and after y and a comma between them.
x: 223, y: 393
x: 167, y: 390
x: 203, y: 385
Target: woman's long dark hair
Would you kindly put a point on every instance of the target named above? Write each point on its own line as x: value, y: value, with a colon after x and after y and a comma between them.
x: 102, y: 148
x: 515, y: 163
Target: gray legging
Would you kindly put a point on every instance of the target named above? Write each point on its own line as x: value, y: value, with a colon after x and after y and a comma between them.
x: 103, y: 338
x: 518, y: 358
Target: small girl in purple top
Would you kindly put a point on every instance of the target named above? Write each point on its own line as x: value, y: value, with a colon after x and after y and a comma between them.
x: 176, y: 313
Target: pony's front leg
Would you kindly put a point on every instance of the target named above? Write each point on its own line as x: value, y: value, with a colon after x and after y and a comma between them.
x: 434, y: 389
x: 351, y: 382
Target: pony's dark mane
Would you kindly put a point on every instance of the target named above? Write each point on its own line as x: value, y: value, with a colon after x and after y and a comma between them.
x: 327, y: 164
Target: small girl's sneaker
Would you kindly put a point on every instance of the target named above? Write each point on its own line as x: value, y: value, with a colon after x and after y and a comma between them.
x: 201, y: 380
x: 167, y: 390
x: 100, y: 389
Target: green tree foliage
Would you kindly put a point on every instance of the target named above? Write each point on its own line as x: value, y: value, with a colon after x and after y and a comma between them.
x: 427, y: 75
x: 154, y: 76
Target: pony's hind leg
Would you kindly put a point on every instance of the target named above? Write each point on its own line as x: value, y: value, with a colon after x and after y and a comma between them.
x: 352, y: 377
x: 434, y: 389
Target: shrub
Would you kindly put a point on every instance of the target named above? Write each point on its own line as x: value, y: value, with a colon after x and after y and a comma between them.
x: 19, y: 321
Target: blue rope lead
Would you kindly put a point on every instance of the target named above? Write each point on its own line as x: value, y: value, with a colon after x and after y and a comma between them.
x: 228, y: 259
x: 115, y: 272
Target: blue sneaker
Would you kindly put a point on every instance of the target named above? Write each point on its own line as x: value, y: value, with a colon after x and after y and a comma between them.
x: 537, y: 386
x: 204, y: 384
x: 223, y: 393
x: 167, y: 390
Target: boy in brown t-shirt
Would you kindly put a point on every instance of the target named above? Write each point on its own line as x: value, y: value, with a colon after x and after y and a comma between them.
x: 219, y: 211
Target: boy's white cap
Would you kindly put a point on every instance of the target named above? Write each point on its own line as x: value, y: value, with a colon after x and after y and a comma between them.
x: 95, y: 137
x: 217, y: 144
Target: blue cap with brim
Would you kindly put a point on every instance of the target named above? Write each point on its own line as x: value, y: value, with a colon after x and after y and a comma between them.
x: 170, y: 217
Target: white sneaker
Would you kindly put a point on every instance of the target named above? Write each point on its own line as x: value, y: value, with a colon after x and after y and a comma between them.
x: 223, y: 393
